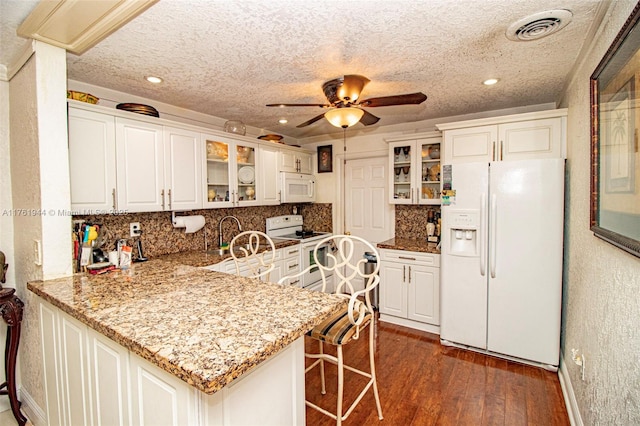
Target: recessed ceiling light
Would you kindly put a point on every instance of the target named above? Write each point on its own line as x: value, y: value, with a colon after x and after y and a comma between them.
x: 283, y: 121
x: 490, y: 81
x: 154, y: 80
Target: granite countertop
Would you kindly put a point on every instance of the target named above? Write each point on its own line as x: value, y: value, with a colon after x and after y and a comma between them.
x: 409, y: 244
x: 201, y: 258
x: 205, y: 327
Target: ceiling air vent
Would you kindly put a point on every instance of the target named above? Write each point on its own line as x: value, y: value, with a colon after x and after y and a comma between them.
x: 539, y: 25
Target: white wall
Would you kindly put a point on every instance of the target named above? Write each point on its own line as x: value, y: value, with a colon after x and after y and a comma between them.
x: 602, y: 283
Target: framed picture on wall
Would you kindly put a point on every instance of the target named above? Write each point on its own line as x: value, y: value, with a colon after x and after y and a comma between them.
x: 615, y: 157
x: 325, y: 159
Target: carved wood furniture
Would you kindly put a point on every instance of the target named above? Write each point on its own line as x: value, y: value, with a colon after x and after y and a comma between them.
x: 11, y: 311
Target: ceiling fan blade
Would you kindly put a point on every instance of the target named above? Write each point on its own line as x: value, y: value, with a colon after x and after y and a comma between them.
x: 368, y: 119
x: 313, y: 120
x: 411, y: 98
x: 299, y: 105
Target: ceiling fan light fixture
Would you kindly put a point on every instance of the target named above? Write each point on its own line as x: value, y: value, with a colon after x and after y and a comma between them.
x: 344, y: 117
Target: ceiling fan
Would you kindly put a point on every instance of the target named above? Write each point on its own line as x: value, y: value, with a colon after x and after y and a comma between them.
x: 343, y: 94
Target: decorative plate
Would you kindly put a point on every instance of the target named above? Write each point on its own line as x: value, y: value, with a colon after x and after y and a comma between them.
x: 246, y: 174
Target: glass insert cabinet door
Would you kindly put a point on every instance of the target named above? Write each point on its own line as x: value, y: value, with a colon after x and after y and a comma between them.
x: 402, y: 171
x: 246, y: 173
x: 429, y: 173
x: 218, y: 172
x: 231, y: 173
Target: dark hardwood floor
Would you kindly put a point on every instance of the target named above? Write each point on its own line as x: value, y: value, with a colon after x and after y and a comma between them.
x: 424, y: 383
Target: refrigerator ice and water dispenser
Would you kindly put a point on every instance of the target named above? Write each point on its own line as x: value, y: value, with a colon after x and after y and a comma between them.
x: 464, y: 226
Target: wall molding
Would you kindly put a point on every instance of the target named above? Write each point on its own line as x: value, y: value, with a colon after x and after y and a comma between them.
x: 569, y: 396
x: 31, y: 409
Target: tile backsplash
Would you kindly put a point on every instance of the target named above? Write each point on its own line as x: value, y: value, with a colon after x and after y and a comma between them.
x: 411, y: 221
x: 160, y: 237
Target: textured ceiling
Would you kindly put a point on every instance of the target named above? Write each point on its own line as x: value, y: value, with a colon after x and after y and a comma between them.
x: 229, y: 58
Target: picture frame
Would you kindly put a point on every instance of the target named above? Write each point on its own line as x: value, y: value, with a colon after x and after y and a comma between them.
x: 615, y: 157
x: 325, y: 159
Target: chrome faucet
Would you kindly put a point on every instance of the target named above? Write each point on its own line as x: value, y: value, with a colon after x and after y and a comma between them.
x: 221, y: 239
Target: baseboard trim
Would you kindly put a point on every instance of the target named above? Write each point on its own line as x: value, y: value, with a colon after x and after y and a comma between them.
x: 31, y: 409
x: 569, y: 396
x: 429, y: 328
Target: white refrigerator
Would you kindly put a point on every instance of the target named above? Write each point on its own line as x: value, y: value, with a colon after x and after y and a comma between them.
x: 501, y: 263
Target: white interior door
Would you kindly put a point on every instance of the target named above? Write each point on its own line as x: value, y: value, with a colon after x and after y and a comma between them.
x: 368, y: 213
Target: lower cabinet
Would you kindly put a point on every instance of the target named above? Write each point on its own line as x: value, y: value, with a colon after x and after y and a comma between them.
x: 90, y: 379
x: 410, y: 289
x: 287, y: 262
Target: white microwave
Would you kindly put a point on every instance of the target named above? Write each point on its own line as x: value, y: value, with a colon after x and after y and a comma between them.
x: 297, y: 188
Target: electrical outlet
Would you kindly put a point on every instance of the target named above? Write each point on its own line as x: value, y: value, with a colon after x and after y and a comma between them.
x: 134, y: 229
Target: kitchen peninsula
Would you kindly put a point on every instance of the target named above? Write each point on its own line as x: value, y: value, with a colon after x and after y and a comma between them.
x: 236, y: 344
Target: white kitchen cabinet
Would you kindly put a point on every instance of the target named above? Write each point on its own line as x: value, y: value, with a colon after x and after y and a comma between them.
x: 52, y: 372
x: 231, y: 174
x: 288, y: 263
x: 109, y: 367
x: 513, y: 137
x: 268, y: 190
x: 183, y: 155
x: 92, y: 161
x: 85, y: 372
x: 295, y: 161
x: 414, y: 166
x: 140, y: 165
x: 410, y: 289
x: 159, y: 168
x: 158, y: 397
x: 75, y: 371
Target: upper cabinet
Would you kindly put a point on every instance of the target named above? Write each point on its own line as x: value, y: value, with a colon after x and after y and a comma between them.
x: 267, y: 185
x: 159, y: 168
x: 125, y: 162
x: 92, y: 161
x: 513, y: 137
x: 140, y: 164
x: 230, y: 172
x: 183, y: 168
x: 295, y: 161
x: 414, y: 166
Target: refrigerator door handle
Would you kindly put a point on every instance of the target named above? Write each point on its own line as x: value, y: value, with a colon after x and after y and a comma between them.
x: 482, y: 230
x: 492, y: 239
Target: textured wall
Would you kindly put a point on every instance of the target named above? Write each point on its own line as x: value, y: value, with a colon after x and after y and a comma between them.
x: 411, y: 221
x: 602, y: 283
x: 6, y: 222
x: 25, y: 180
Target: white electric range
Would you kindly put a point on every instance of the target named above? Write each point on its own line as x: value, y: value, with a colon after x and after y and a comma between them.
x: 291, y: 227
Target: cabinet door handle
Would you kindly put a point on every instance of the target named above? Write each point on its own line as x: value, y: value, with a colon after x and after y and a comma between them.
x: 493, y: 152
x: 113, y: 196
x: 292, y: 251
x: 293, y: 266
x: 294, y: 282
x: 162, y: 194
x: 409, y: 274
x: 406, y: 258
x: 501, y: 149
x: 404, y: 273
x: 169, y: 194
